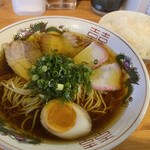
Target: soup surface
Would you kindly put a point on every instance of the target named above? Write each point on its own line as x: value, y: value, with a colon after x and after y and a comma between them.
x: 68, y: 44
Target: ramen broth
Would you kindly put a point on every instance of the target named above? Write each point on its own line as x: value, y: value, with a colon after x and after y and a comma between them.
x: 100, y: 121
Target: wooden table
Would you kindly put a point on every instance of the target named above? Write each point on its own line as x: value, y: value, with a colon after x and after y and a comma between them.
x: 140, y: 138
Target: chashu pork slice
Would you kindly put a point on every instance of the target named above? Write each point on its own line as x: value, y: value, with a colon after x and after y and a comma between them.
x: 21, y: 55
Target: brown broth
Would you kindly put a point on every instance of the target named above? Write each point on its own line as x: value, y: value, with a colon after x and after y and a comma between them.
x: 99, y: 121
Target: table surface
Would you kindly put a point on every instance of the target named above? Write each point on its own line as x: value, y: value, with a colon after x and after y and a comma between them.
x: 140, y: 138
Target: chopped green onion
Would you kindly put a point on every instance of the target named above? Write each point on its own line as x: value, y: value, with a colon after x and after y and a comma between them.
x: 60, y: 87
x: 95, y: 61
x: 33, y: 67
x: 67, y: 96
x: 44, y: 58
x: 49, y: 65
x: 57, y: 76
x: 35, y: 77
x: 67, y: 84
x: 44, y: 68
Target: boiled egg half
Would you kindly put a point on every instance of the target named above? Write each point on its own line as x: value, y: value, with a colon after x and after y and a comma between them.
x: 65, y: 120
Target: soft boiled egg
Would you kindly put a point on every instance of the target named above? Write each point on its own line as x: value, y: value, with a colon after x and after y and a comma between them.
x: 65, y: 120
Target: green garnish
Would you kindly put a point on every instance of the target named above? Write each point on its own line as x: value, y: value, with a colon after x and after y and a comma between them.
x: 57, y: 76
x: 95, y: 61
x: 39, y: 27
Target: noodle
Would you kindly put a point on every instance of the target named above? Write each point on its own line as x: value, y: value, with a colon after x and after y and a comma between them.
x: 93, y: 102
x: 15, y: 97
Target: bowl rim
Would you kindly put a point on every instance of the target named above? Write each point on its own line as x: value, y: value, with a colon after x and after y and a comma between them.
x: 143, y: 110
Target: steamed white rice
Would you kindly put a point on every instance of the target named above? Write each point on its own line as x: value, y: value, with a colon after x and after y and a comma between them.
x: 133, y: 27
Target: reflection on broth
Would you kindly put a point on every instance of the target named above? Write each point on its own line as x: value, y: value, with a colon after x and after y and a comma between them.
x: 94, y: 94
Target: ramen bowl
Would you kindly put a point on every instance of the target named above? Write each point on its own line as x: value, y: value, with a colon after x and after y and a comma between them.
x: 125, y: 122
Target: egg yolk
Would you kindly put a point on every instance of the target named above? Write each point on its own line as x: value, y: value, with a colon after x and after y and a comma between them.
x: 61, y: 117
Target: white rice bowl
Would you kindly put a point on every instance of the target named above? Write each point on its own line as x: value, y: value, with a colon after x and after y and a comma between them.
x: 134, y: 27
